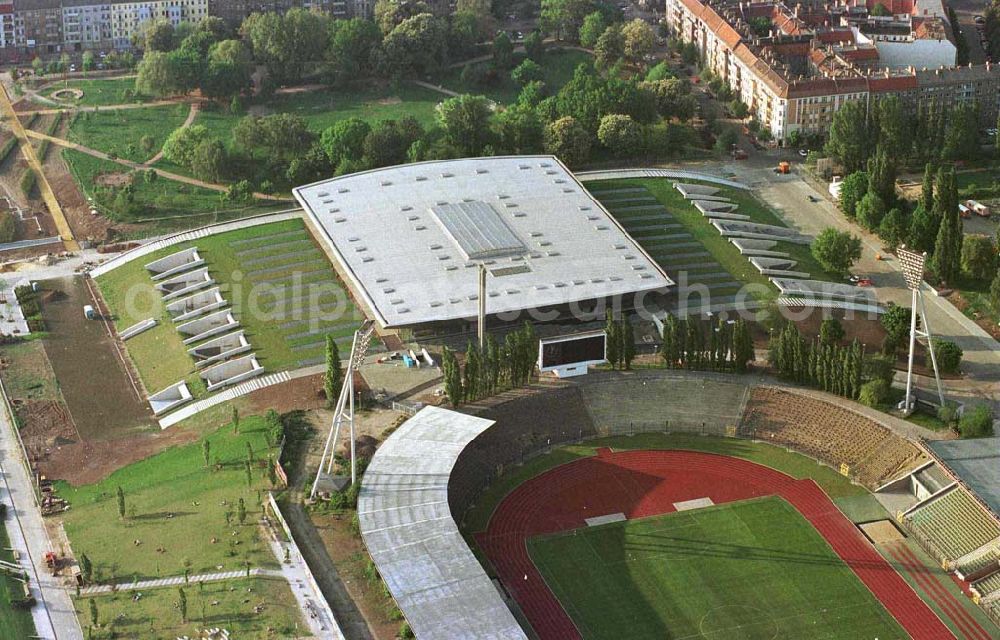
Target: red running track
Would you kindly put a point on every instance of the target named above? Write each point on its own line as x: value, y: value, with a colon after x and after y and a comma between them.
x: 647, y: 483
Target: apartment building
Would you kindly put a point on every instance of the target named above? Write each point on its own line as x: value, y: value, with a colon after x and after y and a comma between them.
x: 795, y: 67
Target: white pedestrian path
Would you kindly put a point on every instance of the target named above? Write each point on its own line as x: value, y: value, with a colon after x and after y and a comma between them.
x: 174, y: 581
x: 54, y: 616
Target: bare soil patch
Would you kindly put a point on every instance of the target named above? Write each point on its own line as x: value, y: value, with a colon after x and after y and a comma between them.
x: 300, y: 393
x: 85, y: 225
x: 92, y: 377
x: 117, y: 179
x: 957, y: 299
x: 390, y: 100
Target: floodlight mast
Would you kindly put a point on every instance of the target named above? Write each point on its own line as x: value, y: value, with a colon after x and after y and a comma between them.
x: 481, y: 328
x: 913, y: 274
x: 345, y: 405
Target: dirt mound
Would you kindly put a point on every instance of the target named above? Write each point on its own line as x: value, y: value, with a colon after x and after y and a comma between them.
x: 117, y: 179
x: 47, y: 426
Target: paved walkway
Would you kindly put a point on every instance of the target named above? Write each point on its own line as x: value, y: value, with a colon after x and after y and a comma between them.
x: 192, y: 114
x: 53, y: 614
x: 48, y: 196
x: 177, y: 581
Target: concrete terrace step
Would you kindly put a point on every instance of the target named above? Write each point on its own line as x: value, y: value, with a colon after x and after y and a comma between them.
x: 304, y: 241
x: 273, y: 236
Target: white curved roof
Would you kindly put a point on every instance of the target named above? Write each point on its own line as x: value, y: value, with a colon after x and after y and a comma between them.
x: 410, y: 238
x: 407, y: 527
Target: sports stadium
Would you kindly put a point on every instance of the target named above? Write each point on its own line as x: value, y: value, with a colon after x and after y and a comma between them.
x: 652, y: 503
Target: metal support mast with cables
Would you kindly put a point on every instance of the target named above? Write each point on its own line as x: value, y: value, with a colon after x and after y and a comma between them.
x: 345, y: 408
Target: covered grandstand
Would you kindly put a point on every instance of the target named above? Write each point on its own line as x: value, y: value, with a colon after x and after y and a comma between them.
x: 410, y: 240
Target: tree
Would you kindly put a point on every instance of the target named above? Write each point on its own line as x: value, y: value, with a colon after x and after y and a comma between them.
x: 182, y: 604
x: 870, y: 211
x: 882, y: 177
x: 895, y: 133
x: 180, y: 145
x: 465, y: 122
x: 93, y: 612
x: 472, y: 380
x: 156, y: 35
x: 638, y: 40
x: 620, y: 134
x: 503, y: 51
x: 874, y: 393
x: 627, y: 336
x: 976, y: 422
x: 896, y: 322
x: 345, y: 140
x: 852, y: 189
x: 452, y: 377
x: 949, y: 356
x: 961, y: 138
x: 927, y: 187
x: 353, y: 49
x: 288, y: 44
x: 836, y: 250
x: 388, y: 142
x: 527, y: 71
x: 893, y: 229
x: 611, y: 328
x: 236, y: 421
x: 659, y: 71
x: 831, y: 331
x: 418, y: 45
x: 87, y: 61
x: 995, y: 294
x: 120, y: 494
x: 210, y: 160
x: 880, y: 10
x: 333, y: 379
x: 86, y: 568
x: 923, y: 229
x: 610, y: 47
x: 673, y: 97
x: 569, y: 140
x: 390, y: 13
x: 206, y: 452
x: 519, y: 130
x: 979, y: 258
x: 281, y: 136
x: 241, y: 511
x: 850, y: 139
x: 534, y: 45
x: 743, y: 351
x: 227, y: 73
x: 563, y: 18
x: 593, y: 26
x: 946, y: 262
x: 158, y: 75
x: 275, y: 426
x: 240, y: 192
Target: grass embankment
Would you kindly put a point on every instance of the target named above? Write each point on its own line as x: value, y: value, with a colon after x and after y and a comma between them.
x: 176, y: 510
x: 14, y: 623
x: 245, y: 264
x: 793, y: 464
x: 754, y: 569
x: 247, y: 608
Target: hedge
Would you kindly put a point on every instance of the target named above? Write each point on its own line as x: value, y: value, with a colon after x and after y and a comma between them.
x: 28, y: 182
x: 6, y: 227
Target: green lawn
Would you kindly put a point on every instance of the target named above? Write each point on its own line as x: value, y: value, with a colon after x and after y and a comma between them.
x: 796, y: 465
x: 120, y: 132
x: 185, y: 205
x: 982, y: 183
x: 14, y: 623
x: 747, y: 570
x: 176, y: 508
x: 283, y: 337
x: 99, y: 92
x: 557, y: 65
x: 228, y: 605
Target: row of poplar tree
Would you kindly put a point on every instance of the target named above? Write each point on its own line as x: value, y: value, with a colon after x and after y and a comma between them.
x: 696, y: 343
x: 620, y: 341
x: 491, y: 369
x: 834, y: 368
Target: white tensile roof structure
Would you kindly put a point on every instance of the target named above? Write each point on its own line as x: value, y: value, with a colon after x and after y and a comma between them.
x: 413, y: 540
x: 410, y: 238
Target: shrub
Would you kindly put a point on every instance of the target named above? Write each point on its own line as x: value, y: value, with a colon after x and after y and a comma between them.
x: 948, y: 414
x: 831, y: 331
x: 28, y: 182
x: 976, y: 422
x: 405, y: 631
x: 7, y: 228
x: 949, y: 356
x: 874, y: 393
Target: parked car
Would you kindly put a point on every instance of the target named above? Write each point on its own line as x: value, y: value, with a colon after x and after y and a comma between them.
x: 813, y: 198
x: 804, y: 153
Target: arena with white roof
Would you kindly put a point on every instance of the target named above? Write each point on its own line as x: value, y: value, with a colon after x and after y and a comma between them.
x: 410, y: 239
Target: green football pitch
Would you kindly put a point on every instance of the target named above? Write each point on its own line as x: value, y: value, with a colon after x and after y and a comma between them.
x: 751, y: 570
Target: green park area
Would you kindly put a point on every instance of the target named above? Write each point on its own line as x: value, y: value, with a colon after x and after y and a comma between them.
x: 279, y: 285
x: 165, y: 204
x: 97, y: 92
x: 256, y: 607
x: 14, y: 623
x: 131, y: 134
x: 753, y: 570
x: 796, y: 465
x: 181, y: 513
x: 557, y: 67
